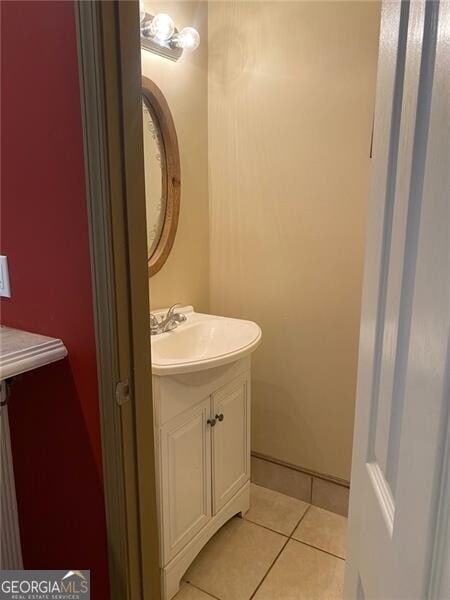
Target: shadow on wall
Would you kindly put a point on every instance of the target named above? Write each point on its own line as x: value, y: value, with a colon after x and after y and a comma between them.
x: 233, y: 68
x: 291, y: 93
x: 275, y: 404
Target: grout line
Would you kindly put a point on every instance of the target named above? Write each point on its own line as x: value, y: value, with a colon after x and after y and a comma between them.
x: 316, y: 548
x: 286, y: 535
x: 288, y: 538
x: 269, y: 569
x: 300, y: 520
x: 293, y: 538
x: 202, y: 590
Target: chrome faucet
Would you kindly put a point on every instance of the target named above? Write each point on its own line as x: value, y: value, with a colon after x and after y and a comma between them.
x: 166, y: 323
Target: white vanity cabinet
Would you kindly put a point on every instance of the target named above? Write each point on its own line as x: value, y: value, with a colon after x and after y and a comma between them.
x: 186, y: 477
x: 202, y: 431
x: 230, y: 440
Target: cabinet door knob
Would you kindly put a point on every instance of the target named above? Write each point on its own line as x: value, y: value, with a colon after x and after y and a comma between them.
x: 211, y: 422
x: 220, y: 417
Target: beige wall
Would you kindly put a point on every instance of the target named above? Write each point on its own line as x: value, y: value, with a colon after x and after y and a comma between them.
x: 184, y: 277
x: 291, y: 93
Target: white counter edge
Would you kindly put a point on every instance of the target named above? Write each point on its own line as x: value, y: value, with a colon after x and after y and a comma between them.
x: 32, y: 357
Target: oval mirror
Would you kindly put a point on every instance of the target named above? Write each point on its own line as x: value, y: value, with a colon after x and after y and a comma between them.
x: 162, y: 175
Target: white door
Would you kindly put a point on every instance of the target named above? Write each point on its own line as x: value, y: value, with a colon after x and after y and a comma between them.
x: 399, y: 505
x: 186, y: 477
x: 231, y: 440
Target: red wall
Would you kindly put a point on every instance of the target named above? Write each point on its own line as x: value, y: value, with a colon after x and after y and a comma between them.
x: 54, y: 411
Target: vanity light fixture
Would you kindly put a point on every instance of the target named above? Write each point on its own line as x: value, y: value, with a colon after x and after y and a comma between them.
x: 159, y: 35
x: 161, y: 28
x: 187, y: 39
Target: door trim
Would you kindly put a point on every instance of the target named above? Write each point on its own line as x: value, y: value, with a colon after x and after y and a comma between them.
x: 110, y: 82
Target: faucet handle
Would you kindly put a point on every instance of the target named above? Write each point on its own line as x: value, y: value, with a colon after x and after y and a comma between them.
x: 171, y: 310
x: 154, y: 323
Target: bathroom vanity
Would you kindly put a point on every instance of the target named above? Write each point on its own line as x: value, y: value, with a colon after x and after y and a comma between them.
x: 201, y: 380
x: 201, y: 396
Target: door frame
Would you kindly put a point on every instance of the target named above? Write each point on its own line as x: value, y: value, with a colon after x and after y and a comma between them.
x: 110, y: 75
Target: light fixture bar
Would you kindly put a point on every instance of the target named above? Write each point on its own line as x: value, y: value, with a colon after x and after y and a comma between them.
x: 162, y: 48
x: 172, y: 48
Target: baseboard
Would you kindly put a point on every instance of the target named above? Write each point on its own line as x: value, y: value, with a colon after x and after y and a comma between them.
x: 276, y: 461
x: 321, y: 490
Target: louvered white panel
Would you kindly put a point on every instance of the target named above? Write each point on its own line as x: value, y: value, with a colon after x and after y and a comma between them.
x: 10, y: 549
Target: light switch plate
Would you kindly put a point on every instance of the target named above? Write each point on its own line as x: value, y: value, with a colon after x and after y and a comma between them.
x: 5, y: 288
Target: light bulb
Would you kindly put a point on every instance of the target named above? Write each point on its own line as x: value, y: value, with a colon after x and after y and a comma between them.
x: 162, y: 27
x: 141, y: 11
x: 188, y: 39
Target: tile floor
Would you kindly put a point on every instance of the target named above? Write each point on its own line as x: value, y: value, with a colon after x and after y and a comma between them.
x: 284, y: 549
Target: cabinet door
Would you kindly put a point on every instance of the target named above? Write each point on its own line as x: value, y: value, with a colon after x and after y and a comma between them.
x: 186, y: 477
x: 231, y: 440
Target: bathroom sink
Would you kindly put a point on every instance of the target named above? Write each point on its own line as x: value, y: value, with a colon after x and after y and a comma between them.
x: 202, y: 342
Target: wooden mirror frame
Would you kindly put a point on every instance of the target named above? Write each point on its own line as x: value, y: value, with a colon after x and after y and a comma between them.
x: 171, y: 184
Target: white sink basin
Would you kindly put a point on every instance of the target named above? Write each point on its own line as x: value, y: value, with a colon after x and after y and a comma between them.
x: 202, y: 342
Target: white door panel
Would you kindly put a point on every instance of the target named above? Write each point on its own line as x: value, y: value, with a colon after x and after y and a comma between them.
x: 403, y: 375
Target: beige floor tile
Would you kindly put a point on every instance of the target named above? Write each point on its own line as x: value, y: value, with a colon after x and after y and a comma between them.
x: 235, y: 560
x: 323, y: 529
x: 303, y: 573
x: 188, y: 592
x: 274, y: 510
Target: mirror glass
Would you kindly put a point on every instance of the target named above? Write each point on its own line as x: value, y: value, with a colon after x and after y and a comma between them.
x: 162, y: 175
x: 154, y: 161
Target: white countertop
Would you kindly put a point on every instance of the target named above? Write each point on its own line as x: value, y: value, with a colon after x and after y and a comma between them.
x: 22, y: 351
x: 202, y: 342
